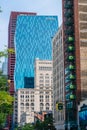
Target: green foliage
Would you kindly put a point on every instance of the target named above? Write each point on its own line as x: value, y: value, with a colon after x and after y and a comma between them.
x: 5, y: 98
x: 5, y: 102
x: 2, y: 119
x: 5, y: 106
x: 3, y: 81
x: 46, y: 124
x: 6, y: 52
x: 25, y: 127
x: 28, y: 127
x: 39, y: 125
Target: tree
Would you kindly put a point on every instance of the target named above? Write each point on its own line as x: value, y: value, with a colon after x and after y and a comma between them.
x: 5, y: 99
x: 28, y: 127
x: 5, y: 102
x: 6, y: 52
x: 47, y: 124
x: 5, y: 106
x: 3, y: 82
x: 25, y: 127
x: 39, y: 125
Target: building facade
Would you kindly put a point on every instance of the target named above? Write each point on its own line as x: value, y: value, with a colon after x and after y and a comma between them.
x: 75, y: 53
x: 32, y: 39
x: 58, y: 79
x: 38, y: 99
x: 11, y: 57
x: 4, y: 67
x: 82, y: 21
x: 82, y: 115
x: 43, y: 85
x: 71, y: 62
x: 24, y: 106
x: 16, y: 35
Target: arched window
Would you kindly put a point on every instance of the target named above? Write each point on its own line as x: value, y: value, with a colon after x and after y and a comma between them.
x: 22, y: 104
x: 41, y: 104
x: 32, y: 104
x: 27, y: 104
x: 47, y: 105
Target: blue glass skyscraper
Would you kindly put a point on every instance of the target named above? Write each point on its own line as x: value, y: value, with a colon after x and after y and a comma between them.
x: 33, y: 39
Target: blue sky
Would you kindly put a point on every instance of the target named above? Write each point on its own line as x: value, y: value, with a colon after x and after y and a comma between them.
x: 41, y: 7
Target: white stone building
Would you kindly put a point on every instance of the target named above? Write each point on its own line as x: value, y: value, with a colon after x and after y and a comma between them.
x: 43, y: 85
x: 24, y: 106
x: 28, y: 101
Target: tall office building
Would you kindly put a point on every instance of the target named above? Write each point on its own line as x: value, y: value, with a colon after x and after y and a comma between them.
x: 58, y: 80
x: 38, y: 99
x: 11, y: 57
x: 75, y: 53
x: 4, y: 67
x: 43, y: 85
x: 32, y: 39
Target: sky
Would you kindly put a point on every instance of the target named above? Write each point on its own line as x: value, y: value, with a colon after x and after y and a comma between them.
x: 41, y: 7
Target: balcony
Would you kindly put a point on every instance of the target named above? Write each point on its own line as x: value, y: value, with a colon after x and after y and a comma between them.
x: 69, y: 31
x: 68, y: 14
x: 71, y: 67
x: 72, y: 87
x: 71, y: 48
x: 71, y: 58
x: 72, y: 97
x: 72, y: 76
x: 69, y: 22
x: 68, y: 5
x: 69, y: 105
x: 71, y: 39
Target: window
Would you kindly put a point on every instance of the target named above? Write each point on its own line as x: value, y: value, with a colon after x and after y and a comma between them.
x: 41, y: 81
x: 47, y: 92
x: 47, y: 81
x: 41, y: 92
x: 41, y: 100
x: 32, y: 104
x: 27, y: 104
x: 41, y: 96
x: 47, y: 96
x: 32, y: 108
x: 22, y: 104
x: 41, y: 108
x: 46, y: 84
x: 47, y: 108
x: 41, y: 104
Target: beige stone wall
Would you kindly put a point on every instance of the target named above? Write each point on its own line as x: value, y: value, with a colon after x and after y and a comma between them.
x: 83, y: 45
x: 43, y: 85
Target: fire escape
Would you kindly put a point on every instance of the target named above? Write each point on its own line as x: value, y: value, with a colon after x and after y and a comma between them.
x: 70, y: 66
